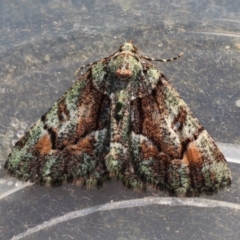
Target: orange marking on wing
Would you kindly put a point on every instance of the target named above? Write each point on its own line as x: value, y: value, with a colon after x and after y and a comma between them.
x: 85, y: 145
x: 192, y: 155
x: 85, y: 124
x: 44, y: 145
x: 81, y: 128
x: 149, y: 151
x: 123, y: 72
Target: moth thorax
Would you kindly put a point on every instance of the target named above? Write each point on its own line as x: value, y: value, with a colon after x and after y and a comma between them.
x: 122, y: 76
x: 120, y: 85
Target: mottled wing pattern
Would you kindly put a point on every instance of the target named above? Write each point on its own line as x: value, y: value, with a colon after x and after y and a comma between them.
x: 121, y: 118
x: 170, y: 149
x: 69, y: 142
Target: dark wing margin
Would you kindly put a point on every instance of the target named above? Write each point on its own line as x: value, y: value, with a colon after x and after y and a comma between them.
x: 170, y: 149
x: 69, y: 142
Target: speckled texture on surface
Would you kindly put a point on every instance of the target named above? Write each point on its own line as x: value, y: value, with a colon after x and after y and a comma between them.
x: 43, y: 43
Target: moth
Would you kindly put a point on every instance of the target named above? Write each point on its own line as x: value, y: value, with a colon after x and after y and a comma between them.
x: 121, y: 118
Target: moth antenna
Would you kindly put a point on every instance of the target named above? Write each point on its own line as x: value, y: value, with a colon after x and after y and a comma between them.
x: 83, y: 66
x: 162, y: 60
x: 91, y: 64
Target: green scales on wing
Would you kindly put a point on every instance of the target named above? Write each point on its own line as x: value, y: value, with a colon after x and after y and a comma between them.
x: 121, y: 118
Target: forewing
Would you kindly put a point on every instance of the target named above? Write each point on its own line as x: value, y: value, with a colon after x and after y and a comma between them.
x: 170, y: 149
x: 68, y: 142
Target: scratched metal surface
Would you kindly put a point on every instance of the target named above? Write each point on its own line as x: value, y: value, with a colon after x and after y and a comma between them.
x: 41, y: 46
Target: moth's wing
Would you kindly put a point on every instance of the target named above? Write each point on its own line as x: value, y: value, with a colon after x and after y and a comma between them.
x: 68, y: 142
x: 170, y: 149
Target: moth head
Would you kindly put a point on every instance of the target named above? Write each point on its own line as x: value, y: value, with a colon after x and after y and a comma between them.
x: 129, y: 47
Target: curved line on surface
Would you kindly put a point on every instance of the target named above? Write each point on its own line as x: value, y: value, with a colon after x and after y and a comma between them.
x: 170, y: 201
x: 217, y: 33
x: 15, y: 189
x: 233, y: 160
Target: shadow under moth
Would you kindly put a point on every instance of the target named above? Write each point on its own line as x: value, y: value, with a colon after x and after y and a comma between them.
x: 121, y: 118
